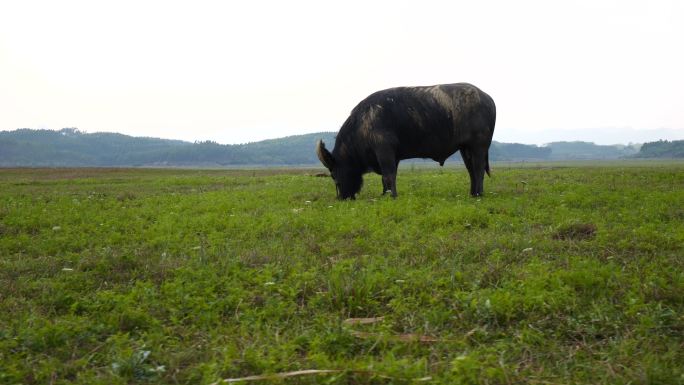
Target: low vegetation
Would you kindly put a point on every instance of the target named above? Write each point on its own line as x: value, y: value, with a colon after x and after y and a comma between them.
x: 558, y: 275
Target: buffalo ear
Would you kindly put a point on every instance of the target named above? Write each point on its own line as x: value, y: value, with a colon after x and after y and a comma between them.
x: 324, y: 155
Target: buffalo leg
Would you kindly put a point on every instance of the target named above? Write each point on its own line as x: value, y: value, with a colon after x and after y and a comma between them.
x: 388, y: 167
x: 386, y: 186
x: 466, y: 155
x: 479, y: 163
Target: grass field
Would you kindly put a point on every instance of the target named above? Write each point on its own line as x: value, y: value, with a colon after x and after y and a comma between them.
x: 558, y: 275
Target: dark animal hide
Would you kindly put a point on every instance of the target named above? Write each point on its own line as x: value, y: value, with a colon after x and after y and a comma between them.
x: 412, y: 122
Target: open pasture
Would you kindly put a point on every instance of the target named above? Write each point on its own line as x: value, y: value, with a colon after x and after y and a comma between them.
x: 559, y: 274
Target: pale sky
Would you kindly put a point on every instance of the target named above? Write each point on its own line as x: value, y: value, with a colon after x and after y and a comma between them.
x: 239, y: 71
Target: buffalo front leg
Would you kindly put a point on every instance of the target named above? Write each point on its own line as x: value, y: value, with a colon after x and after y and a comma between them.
x: 386, y: 185
x: 390, y: 180
x: 388, y: 167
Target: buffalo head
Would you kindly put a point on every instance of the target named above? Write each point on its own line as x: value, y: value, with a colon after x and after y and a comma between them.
x: 346, y: 175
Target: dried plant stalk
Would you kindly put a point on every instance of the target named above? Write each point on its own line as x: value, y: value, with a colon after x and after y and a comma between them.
x: 295, y: 373
x: 398, y: 337
x: 362, y: 321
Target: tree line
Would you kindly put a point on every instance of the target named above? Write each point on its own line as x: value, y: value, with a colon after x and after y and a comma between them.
x: 662, y: 149
x: 71, y: 147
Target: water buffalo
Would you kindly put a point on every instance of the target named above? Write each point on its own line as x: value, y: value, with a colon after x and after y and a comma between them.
x: 412, y: 122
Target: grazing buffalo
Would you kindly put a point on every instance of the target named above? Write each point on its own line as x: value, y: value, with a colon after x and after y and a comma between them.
x: 412, y: 122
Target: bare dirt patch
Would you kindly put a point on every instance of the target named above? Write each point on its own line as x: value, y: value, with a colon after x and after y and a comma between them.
x: 576, y: 231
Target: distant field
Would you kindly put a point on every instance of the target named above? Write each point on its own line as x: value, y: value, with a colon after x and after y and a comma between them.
x: 562, y: 273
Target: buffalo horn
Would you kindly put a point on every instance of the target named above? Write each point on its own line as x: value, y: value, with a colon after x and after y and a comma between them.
x: 324, y: 155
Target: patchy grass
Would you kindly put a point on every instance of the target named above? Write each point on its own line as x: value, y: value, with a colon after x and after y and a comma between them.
x: 576, y: 231
x: 193, y: 276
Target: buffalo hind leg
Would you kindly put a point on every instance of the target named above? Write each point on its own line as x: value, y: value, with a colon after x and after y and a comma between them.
x: 478, y: 164
x: 467, y: 157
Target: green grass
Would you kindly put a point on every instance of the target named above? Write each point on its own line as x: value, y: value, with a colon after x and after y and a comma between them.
x: 187, y: 276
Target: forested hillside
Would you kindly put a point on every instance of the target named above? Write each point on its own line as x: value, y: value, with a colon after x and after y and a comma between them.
x: 71, y: 147
x: 587, y: 150
x: 662, y: 149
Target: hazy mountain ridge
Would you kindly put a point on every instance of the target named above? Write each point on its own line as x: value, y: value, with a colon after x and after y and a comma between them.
x: 70, y: 147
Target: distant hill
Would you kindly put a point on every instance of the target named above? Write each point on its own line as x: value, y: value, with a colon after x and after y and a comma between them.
x: 517, y: 152
x: 588, y: 150
x: 70, y: 147
x: 662, y: 149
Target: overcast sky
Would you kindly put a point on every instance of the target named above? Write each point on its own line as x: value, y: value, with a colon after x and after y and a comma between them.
x: 239, y: 71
